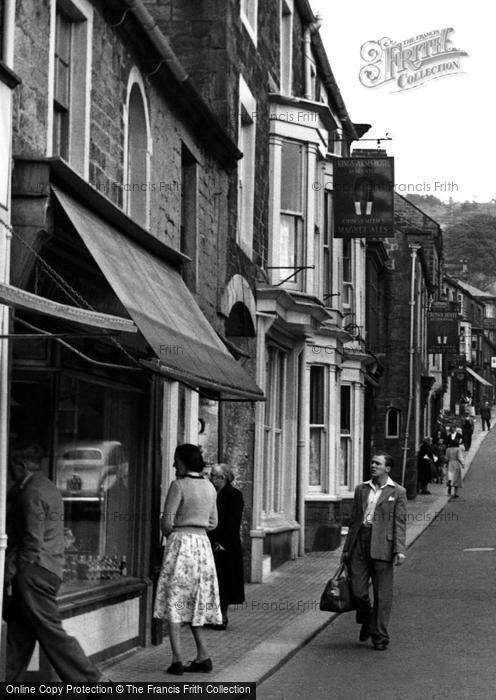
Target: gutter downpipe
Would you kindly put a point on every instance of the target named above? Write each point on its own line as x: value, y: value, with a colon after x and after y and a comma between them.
x: 153, y: 31
x: 411, y: 351
x: 310, y: 29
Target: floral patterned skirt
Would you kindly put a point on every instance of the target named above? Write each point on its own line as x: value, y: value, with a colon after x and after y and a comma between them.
x: 187, y: 589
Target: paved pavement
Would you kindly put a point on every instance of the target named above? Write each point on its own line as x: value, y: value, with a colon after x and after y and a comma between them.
x: 279, y: 616
x: 443, y: 632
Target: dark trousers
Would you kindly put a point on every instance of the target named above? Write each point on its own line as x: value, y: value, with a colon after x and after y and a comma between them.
x: 486, y: 421
x: 35, y: 616
x: 363, y: 569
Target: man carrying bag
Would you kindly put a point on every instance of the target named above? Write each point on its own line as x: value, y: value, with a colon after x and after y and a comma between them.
x: 376, y: 541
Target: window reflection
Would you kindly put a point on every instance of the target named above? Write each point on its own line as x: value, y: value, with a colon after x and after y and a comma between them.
x: 91, y: 436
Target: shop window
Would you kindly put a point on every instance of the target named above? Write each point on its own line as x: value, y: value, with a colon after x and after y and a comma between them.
x: 136, y: 187
x: 345, y: 439
x: 318, y: 434
x: 286, y: 38
x: 246, y: 167
x: 274, y: 430
x: 392, y: 423
x: 71, y: 82
x: 96, y: 461
x: 291, y: 223
x: 249, y: 11
x: 90, y: 435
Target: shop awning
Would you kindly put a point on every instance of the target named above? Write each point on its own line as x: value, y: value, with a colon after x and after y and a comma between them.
x: 20, y: 299
x: 477, y: 377
x: 163, y: 308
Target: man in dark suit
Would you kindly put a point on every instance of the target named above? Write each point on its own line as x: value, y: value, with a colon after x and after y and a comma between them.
x: 375, y: 542
x: 226, y: 542
x: 485, y: 414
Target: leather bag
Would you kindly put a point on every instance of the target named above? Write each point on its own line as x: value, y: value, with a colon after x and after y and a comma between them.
x: 337, y: 595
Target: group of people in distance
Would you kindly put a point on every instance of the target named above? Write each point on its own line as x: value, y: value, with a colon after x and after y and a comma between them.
x: 444, y: 455
x: 202, y: 568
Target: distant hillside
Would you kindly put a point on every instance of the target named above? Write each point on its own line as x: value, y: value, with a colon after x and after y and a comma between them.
x: 469, y: 233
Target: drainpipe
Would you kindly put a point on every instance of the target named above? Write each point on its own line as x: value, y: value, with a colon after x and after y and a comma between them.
x: 157, y: 38
x: 310, y: 29
x: 411, y: 351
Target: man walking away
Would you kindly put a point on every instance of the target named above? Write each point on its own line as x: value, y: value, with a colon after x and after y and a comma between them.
x: 376, y: 541
x: 485, y: 414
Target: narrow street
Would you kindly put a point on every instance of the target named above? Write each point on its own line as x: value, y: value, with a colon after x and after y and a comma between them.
x: 443, y: 631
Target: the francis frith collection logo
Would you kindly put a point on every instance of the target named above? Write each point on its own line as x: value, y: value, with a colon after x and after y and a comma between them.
x: 412, y: 62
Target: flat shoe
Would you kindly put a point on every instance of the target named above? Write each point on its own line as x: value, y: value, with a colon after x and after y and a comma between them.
x: 380, y: 647
x: 204, y: 666
x: 176, y: 668
x: 221, y: 627
x: 364, y: 633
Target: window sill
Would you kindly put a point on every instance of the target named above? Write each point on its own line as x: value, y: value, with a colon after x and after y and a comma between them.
x: 274, y: 525
x: 72, y: 601
x: 331, y: 498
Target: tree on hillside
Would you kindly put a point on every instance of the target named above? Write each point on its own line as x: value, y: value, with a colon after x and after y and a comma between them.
x: 473, y: 238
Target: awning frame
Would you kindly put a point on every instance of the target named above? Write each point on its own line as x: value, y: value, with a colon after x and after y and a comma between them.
x: 477, y: 377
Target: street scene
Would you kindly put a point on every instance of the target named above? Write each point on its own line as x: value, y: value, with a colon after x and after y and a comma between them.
x: 443, y: 614
x: 247, y: 349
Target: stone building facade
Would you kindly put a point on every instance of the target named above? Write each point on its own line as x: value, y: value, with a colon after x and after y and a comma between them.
x: 263, y: 69
x: 119, y: 206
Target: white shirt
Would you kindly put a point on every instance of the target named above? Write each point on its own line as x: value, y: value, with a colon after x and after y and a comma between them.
x: 374, y: 493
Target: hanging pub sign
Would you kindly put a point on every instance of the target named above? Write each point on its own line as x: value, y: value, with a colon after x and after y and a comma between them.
x: 443, y: 332
x: 364, y: 197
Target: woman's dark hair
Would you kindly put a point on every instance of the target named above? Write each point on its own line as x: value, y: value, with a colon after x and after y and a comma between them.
x: 191, y: 457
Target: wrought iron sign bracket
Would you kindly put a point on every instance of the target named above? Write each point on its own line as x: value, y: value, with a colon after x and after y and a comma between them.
x: 289, y: 267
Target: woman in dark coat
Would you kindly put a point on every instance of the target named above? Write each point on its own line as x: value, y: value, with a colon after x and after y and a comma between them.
x: 226, y: 542
x: 424, y: 460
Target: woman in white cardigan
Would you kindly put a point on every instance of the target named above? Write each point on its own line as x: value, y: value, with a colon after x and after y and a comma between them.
x: 187, y: 589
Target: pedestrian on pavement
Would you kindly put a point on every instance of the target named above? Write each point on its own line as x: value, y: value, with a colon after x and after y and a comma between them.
x: 454, y: 436
x: 226, y: 542
x: 467, y: 431
x: 485, y: 414
x: 439, y: 450
x: 376, y: 541
x: 425, y: 459
x: 187, y: 589
x: 35, y: 561
x: 455, y: 457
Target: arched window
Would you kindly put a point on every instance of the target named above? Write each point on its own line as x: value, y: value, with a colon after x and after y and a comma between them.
x: 137, y: 155
x: 392, y: 423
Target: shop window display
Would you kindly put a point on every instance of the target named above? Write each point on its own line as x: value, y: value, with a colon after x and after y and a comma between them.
x: 93, y: 460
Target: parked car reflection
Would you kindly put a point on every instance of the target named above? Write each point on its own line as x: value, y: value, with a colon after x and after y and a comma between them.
x: 87, y: 469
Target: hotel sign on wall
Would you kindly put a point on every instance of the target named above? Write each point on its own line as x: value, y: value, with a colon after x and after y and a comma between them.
x: 364, y: 197
x: 443, y: 332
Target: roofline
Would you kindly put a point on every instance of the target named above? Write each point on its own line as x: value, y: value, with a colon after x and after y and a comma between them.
x: 194, y: 107
x: 396, y: 194
x: 308, y: 17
